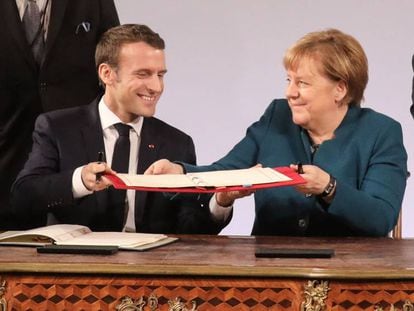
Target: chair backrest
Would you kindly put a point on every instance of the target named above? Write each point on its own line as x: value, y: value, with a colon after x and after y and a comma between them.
x: 397, y: 231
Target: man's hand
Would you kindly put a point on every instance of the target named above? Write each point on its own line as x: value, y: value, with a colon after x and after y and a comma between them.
x: 91, y: 176
x: 227, y: 198
x: 164, y: 166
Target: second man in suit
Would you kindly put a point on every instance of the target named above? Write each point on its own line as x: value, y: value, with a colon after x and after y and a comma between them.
x: 60, y: 74
x: 60, y: 177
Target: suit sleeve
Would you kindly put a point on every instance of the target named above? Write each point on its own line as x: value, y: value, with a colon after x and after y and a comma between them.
x: 373, y: 208
x: 245, y: 153
x: 41, y: 187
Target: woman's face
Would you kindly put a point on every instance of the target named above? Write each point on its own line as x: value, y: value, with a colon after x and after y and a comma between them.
x: 312, y: 97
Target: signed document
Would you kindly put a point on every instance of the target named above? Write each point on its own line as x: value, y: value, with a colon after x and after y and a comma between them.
x: 214, y: 181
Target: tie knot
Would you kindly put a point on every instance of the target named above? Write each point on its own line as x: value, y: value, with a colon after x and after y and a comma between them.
x: 123, y: 129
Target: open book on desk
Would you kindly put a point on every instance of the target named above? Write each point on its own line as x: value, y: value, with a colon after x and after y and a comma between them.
x: 214, y: 181
x: 65, y: 234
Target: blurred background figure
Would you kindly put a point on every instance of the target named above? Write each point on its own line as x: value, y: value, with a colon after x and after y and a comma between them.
x: 412, y: 92
x: 46, y: 62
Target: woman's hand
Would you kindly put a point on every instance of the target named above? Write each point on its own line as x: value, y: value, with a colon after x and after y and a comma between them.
x: 316, y: 179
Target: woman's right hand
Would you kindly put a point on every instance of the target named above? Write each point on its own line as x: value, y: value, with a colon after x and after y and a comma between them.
x: 164, y: 166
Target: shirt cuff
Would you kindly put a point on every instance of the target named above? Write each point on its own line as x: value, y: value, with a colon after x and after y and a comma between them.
x: 218, y: 212
x: 78, y: 188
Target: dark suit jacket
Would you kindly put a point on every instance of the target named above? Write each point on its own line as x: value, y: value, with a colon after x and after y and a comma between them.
x: 66, y: 78
x: 69, y: 138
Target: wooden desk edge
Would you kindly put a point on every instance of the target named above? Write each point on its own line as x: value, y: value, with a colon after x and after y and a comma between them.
x: 216, y: 271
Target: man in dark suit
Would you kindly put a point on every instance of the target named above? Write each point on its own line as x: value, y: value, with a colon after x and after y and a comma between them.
x: 63, y: 76
x: 60, y: 176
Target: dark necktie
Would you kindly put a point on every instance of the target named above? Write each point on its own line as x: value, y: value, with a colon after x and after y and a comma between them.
x: 34, y: 30
x: 120, y: 164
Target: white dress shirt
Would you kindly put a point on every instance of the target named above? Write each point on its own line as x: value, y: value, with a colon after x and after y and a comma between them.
x: 110, y: 135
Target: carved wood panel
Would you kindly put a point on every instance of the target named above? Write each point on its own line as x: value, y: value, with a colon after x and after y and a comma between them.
x: 25, y: 292
x: 361, y: 296
x: 97, y: 293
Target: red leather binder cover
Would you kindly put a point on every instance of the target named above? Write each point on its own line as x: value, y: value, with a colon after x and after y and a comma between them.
x: 295, y: 180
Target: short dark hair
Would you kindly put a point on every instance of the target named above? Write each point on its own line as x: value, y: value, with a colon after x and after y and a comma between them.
x: 108, y: 47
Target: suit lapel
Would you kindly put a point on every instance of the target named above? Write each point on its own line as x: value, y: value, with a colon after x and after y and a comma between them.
x: 148, y: 153
x: 57, y: 13
x: 14, y: 25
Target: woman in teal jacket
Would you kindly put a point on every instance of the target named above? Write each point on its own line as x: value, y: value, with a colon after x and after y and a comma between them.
x: 354, y: 160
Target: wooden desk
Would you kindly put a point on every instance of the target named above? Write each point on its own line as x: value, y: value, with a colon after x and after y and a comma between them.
x: 214, y: 273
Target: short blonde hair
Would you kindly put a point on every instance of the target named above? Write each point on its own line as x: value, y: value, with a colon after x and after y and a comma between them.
x: 341, y: 56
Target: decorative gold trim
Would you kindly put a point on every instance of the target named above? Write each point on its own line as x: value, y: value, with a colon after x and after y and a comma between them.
x: 315, y: 295
x: 153, y: 302
x: 408, y: 306
x: 177, y: 305
x: 128, y: 304
x: 3, y: 302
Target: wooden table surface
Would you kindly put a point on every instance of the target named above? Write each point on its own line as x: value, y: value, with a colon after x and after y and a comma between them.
x: 200, y: 255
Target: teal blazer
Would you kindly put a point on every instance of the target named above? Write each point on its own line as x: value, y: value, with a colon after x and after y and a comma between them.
x: 367, y: 157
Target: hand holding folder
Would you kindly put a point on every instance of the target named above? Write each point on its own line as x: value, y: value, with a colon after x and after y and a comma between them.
x: 205, y: 182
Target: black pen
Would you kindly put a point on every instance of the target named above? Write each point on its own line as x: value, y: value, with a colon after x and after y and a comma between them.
x: 300, y: 167
x: 100, y: 159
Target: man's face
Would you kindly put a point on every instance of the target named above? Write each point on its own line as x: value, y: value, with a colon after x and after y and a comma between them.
x: 134, y: 88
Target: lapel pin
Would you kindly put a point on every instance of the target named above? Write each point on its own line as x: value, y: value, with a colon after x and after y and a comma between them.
x: 151, y: 146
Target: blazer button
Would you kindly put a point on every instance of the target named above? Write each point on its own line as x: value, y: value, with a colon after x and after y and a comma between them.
x: 43, y: 86
x: 302, y: 223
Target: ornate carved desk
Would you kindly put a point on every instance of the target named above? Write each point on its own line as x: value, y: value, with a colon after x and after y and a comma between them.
x: 214, y: 273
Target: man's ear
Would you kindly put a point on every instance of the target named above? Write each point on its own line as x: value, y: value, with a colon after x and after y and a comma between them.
x: 106, y: 74
x: 341, y: 91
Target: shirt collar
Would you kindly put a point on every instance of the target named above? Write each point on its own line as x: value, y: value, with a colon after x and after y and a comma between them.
x: 108, y: 118
x: 21, y: 6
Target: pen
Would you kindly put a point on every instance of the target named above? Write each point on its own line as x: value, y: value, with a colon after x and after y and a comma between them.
x: 300, y: 168
x: 100, y: 159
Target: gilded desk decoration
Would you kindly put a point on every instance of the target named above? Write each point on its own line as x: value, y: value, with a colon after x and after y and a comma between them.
x: 3, y: 302
x: 315, y: 295
x: 128, y: 304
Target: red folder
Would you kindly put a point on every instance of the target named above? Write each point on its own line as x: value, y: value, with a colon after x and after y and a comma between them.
x: 296, y: 179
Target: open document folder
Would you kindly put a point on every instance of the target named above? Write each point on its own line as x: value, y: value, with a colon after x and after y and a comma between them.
x: 69, y: 234
x: 215, y: 181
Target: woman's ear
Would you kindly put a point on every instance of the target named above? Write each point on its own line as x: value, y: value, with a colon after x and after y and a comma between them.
x: 341, y: 91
